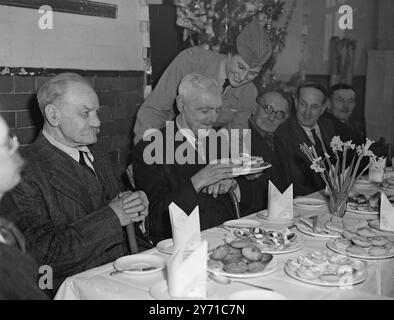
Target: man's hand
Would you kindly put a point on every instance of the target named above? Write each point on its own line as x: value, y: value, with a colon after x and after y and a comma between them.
x: 130, y: 207
x: 253, y: 176
x: 136, y: 202
x: 212, y: 174
x: 221, y: 187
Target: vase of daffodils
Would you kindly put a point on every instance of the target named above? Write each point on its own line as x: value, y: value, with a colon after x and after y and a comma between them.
x: 338, y: 175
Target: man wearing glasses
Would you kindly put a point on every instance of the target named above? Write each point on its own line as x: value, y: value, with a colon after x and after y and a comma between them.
x: 273, y: 109
x: 307, y: 127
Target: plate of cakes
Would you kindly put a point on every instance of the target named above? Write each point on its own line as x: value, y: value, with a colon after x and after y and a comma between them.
x: 364, y: 204
x: 245, y: 164
x: 268, y: 241
x: 326, y: 268
x: 241, y: 258
x: 363, y: 243
x: 388, y: 185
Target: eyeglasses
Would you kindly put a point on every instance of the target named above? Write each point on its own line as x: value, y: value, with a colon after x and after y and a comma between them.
x: 270, y: 110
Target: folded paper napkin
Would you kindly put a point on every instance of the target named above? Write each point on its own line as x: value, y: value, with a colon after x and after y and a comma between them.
x: 376, y: 172
x: 187, y: 275
x: 280, y: 206
x: 386, y: 214
x: 185, y: 228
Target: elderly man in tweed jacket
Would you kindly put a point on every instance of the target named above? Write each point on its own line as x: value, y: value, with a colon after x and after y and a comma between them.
x: 68, y: 205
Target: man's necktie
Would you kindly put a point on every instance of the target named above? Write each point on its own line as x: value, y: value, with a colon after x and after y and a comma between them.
x: 83, y: 162
x: 225, y: 85
x: 318, y: 145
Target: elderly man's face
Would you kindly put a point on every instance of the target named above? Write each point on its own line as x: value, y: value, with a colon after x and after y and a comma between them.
x: 201, y: 110
x: 310, y: 106
x: 238, y: 71
x: 343, y: 102
x: 10, y: 161
x: 79, y: 122
x: 271, y: 112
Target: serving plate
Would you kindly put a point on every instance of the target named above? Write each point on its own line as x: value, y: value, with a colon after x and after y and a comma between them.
x: 242, y: 223
x: 140, y: 264
x: 270, y: 268
x: 309, y: 203
x: 166, y: 246
x: 334, y: 271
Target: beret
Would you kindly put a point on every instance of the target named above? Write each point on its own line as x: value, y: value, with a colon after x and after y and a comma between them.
x: 254, y: 45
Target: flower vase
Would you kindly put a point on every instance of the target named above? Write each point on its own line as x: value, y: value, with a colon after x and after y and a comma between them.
x: 337, y: 207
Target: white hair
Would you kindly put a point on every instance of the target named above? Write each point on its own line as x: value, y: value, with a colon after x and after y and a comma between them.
x: 55, y: 88
x: 194, y: 81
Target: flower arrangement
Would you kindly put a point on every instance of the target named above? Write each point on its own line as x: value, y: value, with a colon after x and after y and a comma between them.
x: 337, y: 175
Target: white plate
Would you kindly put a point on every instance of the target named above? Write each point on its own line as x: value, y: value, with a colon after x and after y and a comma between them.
x: 246, y: 169
x: 242, y: 223
x: 364, y: 184
x: 293, y: 248
x: 160, y: 292
x: 166, y: 246
x: 139, y: 261
x: 302, y: 228
x: 270, y: 268
x: 256, y: 294
x: 375, y: 224
x: 349, y: 209
x: 331, y: 246
x: 250, y: 170
x: 389, y: 190
x: 346, y: 282
x: 309, y: 203
x: 264, y: 215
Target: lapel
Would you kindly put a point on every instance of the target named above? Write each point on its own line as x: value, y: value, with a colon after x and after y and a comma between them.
x: 324, y: 134
x: 300, y: 134
x: 62, y: 175
x: 103, y: 172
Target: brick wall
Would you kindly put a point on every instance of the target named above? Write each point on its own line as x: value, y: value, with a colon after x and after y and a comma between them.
x: 120, y: 95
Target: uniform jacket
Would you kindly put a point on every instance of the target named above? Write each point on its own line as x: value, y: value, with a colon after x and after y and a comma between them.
x: 238, y: 103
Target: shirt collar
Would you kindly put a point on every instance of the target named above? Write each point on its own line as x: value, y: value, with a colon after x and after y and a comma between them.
x: 316, y: 127
x: 72, y: 152
x: 185, y: 131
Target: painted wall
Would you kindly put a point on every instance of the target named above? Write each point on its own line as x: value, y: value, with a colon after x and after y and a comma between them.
x: 76, y: 41
x: 321, y: 18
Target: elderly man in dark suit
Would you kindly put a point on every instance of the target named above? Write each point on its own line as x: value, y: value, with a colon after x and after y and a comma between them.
x: 307, y: 127
x: 179, y: 170
x: 342, y: 103
x: 272, y: 111
x: 69, y: 205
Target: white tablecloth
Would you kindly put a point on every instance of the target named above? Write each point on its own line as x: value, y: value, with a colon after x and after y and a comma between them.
x: 97, y: 284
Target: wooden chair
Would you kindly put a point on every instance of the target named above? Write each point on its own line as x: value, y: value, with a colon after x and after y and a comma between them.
x: 235, y: 203
x: 130, y: 228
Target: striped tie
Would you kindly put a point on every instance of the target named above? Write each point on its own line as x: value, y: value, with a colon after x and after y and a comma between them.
x: 83, y: 163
